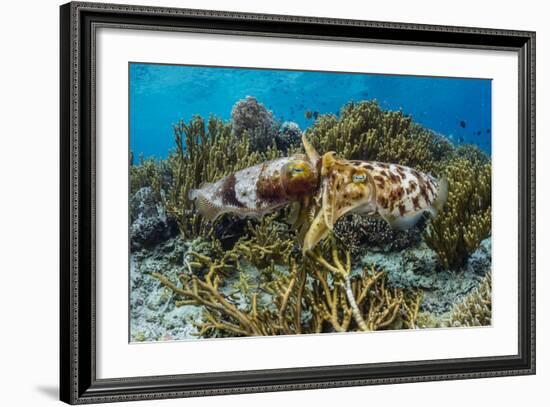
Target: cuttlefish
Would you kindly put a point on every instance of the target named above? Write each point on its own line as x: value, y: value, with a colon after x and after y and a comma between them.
x: 261, y: 189
x: 393, y: 192
x: 324, y: 188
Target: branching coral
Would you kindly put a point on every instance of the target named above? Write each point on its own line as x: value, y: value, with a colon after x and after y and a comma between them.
x: 466, y: 219
x: 224, y: 315
x: 268, y: 241
x: 313, y: 296
x: 372, y: 305
x: 475, y: 309
x: 148, y: 173
x: 365, y: 131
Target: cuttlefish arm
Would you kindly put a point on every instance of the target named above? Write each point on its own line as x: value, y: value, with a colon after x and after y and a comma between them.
x: 311, y: 153
x: 344, y: 188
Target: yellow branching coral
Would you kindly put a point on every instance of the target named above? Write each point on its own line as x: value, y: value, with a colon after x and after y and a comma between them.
x: 466, y: 219
x: 372, y: 305
x: 304, y: 299
x: 204, y: 152
x: 268, y: 241
x: 221, y: 314
x: 365, y: 131
x: 475, y: 309
x: 147, y: 173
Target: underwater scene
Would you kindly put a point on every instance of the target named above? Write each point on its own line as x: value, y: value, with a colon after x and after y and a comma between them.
x: 281, y: 202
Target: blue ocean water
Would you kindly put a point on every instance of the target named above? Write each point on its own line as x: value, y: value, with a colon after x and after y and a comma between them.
x: 161, y: 95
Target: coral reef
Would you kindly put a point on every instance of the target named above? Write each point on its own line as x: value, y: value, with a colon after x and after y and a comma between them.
x: 364, y: 131
x: 417, y: 268
x: 466, y: 218
x: 372, y: 305
x: 241, y: 277
x: 251, y: 119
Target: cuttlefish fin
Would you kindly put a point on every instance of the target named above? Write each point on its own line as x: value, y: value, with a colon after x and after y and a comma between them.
x: 403, y: 222
x: 316, y: 232
x: 311, y: 153
x: 206, y: 208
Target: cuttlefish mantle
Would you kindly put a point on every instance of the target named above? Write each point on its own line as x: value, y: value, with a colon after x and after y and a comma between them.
x: 393, y: 192
x: 261, y: 189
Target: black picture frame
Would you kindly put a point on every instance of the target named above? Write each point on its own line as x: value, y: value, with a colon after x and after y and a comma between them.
x: 78, y: 382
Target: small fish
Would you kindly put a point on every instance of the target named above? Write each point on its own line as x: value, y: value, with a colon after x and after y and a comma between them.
x: 395, y: 193
x: 462, y: 124
x: 315, y: 115
x: 308, y: 114
x: 460, y: 139
x: 258, y: 190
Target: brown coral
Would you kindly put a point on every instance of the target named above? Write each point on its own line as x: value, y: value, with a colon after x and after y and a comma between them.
x: 364, y: 131
x: 466, y: 218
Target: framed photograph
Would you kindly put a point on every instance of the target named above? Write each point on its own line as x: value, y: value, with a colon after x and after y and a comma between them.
x: 255, y: 203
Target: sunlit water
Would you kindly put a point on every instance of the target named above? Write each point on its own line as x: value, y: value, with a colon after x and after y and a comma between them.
x: 161, y: 95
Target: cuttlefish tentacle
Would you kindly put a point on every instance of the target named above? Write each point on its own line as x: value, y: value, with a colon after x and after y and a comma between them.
x: 311, y: 153
x: 316, y: 232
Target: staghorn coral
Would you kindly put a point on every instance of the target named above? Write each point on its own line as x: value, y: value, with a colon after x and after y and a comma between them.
x: 266, y: 242
x: 305, y: 298
x: 466, y: 218
x: 475, y: 308
x: 364, y: 131
x: 372, y: 305
x: 204, y: 152
x: 250, y: 118
x: 222, y: 315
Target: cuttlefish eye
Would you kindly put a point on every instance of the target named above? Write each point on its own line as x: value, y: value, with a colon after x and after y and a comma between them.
x: 298, y: 169
x: 359, y: 178
x: 298, y: 177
